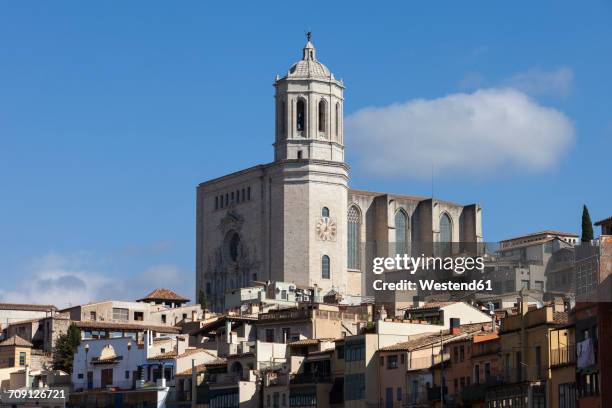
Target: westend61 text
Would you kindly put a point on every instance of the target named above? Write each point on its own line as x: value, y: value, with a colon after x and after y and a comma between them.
x: 430, y: 284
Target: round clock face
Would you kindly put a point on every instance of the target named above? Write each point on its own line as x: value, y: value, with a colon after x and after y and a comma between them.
x: 326, y: 229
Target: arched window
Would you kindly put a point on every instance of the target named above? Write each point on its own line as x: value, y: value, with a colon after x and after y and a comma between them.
x: 325, y: 212
x: 446, y: 237
x: 354, y: 227
x: 300, y: 116
x: 233, y: 246
x: 325, y: 274
x: 400, y: 232
x: 322, y: 116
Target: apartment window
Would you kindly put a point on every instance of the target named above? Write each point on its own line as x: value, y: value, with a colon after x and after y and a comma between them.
x: 92, y: 315
x: 354, y: 350
x: 539, y: 285
x: 399, y: 394
x: 477, y: 374
x: 455, y: 354
x: 340, y: 352
x: 139, y: 316
x: 22, y: 358
x: 300, y: 154
x: 538, y: 362
x: 325, y: 212
x: 487, y: 372
x: 461, y: 353
x: 270, y: 335
x: 80, y: 376
x: 285, y: 334
x: 127, y: 374
x: 163, y: 318
x: 249, y: 193
x: 525, y: 284
x: 392, y: 362
x: 462, y: 382
x: 456, y: 385
x: 121, y: 314
x: 354, y: 387
x: 567, y: 395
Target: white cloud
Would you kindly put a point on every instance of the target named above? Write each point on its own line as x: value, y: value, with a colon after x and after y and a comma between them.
x: 67, y: 280
x: 484, y: 132
x: 557, y: 82
x: 59, y: 280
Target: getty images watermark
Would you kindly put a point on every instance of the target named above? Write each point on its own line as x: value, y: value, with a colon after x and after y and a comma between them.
x: 456, y: 266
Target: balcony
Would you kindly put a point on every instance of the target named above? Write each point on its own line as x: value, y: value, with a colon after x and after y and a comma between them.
x: 523, y: 374
x: 563, y: 356
x: 433, y: 393
x: 476, y: 392
x: 310, y: 378
x: 291, y: 314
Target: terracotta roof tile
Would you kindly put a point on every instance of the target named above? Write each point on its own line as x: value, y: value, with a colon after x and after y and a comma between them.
x: 16, y: 341
x: 429, y: 339
x: 163, y: 294
x: 28, y: 307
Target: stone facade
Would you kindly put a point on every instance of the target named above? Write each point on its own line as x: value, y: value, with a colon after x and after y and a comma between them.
x: 287, y: 220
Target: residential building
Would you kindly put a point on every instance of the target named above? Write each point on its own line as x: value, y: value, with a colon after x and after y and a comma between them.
x: 593, y: 321
x: 563, y: 367
x: 14, y: 312
x: 42, y: 332
x: 525, y: 354
x: 485, y: 369
x: 15, y: 352
x: 160, y: 307
x: 530, y: 262
x: 440, y: 313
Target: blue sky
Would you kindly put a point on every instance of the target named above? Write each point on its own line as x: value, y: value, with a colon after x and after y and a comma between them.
x: 111, y: 113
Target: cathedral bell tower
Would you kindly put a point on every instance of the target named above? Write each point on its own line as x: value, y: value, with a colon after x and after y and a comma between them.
x: 309, y: 105
x: 308, y: 181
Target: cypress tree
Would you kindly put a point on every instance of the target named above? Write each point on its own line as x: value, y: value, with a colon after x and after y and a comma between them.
x: 587, y: 225
x: 65, y: 348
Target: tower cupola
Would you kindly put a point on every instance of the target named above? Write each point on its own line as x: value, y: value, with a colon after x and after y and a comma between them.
x: 309, y: 106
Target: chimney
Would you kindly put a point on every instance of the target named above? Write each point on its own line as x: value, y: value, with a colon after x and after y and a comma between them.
x: 454, y: 325
x: 523, y: 302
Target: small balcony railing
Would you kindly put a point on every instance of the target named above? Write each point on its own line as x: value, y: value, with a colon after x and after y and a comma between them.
x: 310, y: 378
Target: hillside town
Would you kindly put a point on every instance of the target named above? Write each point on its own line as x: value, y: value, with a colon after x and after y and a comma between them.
x: 278, y: 344
x: 286, y: 310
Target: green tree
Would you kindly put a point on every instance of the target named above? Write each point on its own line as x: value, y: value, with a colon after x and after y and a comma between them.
x: 587, y: 225
x: 202, y: 299
x: 65, y: 348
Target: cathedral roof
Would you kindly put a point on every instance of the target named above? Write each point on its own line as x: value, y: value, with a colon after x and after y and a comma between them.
x: 308, y: 66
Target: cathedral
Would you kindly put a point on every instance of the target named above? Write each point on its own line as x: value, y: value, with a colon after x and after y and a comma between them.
x: 296, y: 219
